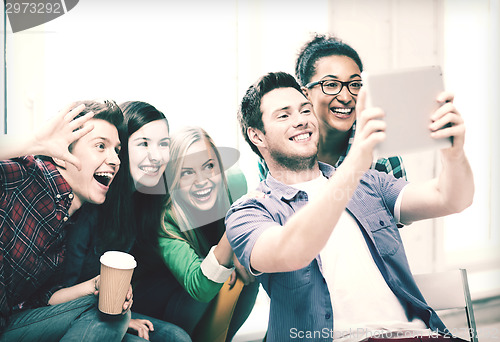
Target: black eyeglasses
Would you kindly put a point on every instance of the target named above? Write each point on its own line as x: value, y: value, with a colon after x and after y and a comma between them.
x: 333, y: 87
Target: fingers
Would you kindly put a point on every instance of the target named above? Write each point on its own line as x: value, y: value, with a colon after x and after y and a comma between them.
x: 251, y: 278
x: 149, y: 324
x: 143, y: 328
x: 81, y: 132
x: 246, y: 277
x: 128, y: 300
x: 443, y: 110
x: 447, y: 121
x: 143, y: 333
x: 79, y: 122
x: 445, y: 96
x: 69, y: 114
x: 371, y: 127
x: 361, y: 102
x: 127, y: 305
x: 232, y: 280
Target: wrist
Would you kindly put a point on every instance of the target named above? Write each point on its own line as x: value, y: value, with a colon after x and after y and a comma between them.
x: 92, y: 286
x: 223, y: 257
x: 35, y: 146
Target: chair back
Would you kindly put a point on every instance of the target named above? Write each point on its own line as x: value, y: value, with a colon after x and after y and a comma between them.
x: 214, y: 324
x: 448, y: 290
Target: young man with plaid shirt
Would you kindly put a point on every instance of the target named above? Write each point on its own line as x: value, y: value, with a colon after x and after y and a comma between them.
x: 38, y: 196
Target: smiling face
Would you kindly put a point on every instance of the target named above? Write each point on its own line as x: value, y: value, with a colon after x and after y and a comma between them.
x: 335, y: 111
x: 149, y: 152
x: 291, y: 137
x: 200, y: 177
x: 98, y: 154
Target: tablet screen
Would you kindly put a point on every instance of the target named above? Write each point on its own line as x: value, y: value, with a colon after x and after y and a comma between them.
x: 408, y: 98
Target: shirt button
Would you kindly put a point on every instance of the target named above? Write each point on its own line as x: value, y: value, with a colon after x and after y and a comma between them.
x: 327, y: 316
x: 58, y: 196
x: 70, y: 196
x: 65, y: 218
x: 381, y: 222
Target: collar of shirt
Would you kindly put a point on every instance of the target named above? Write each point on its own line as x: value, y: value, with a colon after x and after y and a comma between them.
x: 287, y: 192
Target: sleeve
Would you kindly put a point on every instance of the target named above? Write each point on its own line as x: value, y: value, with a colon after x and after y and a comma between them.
x: 4, y: 306
x: 213, y: 270
x: 389, y: 188
x: 245, y: 221
x: 42, y: 296
x: 13, y: 171
x: 185, y: 265
x: 397, y: 207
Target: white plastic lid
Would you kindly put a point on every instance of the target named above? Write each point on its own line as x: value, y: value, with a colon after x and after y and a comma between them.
x: 120, y: 260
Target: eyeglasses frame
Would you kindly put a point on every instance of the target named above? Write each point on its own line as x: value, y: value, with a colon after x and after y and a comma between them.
x: 343, y: 84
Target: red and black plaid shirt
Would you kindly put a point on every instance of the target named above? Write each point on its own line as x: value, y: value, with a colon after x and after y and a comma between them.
x: 34, y: 203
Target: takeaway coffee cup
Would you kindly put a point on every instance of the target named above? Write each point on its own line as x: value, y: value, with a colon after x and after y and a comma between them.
x: 116, y: 273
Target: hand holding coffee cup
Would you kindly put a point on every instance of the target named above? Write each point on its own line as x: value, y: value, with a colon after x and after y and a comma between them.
x: 114, y: 283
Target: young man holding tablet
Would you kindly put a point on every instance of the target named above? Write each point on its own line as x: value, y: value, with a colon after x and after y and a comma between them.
x: 323, y: 241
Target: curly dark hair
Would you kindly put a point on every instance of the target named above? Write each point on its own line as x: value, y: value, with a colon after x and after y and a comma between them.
x: 318, y: 47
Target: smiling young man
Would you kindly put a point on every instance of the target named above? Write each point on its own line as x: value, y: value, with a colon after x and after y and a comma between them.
x: 323, y: 241
x: 38, y: 195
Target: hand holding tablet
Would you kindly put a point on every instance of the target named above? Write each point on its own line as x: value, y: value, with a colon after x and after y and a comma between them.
x: 409, y: 99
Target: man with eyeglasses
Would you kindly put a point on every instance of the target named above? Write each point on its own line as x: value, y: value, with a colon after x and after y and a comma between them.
x: 324, y: 241
x: 329, y: 71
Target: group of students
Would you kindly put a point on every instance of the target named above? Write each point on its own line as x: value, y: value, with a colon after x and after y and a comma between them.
x: 101, y: 176
x: 100, y: 182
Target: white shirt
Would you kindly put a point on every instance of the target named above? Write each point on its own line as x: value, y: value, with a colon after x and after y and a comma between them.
x: 362, y: 302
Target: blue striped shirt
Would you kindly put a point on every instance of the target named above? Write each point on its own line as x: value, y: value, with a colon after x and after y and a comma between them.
x: 300, y: 301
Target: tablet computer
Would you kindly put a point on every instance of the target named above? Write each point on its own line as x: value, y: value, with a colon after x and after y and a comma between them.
x: 408, y: 98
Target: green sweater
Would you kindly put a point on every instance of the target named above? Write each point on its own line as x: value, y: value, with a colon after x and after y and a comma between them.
x: 181, y: 258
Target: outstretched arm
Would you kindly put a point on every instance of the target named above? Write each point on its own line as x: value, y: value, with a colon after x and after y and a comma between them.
x: 453, y: 190
x: 52, y: 139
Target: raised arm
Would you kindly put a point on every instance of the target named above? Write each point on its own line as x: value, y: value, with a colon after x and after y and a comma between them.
x: 453, y: 190
x: 299, y: 241
x: 51, y: 139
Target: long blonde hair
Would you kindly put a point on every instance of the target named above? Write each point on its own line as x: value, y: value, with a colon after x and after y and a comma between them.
x: 178, y: 208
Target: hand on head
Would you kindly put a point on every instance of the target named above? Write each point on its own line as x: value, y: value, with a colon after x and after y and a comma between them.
x: 57, y: 134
